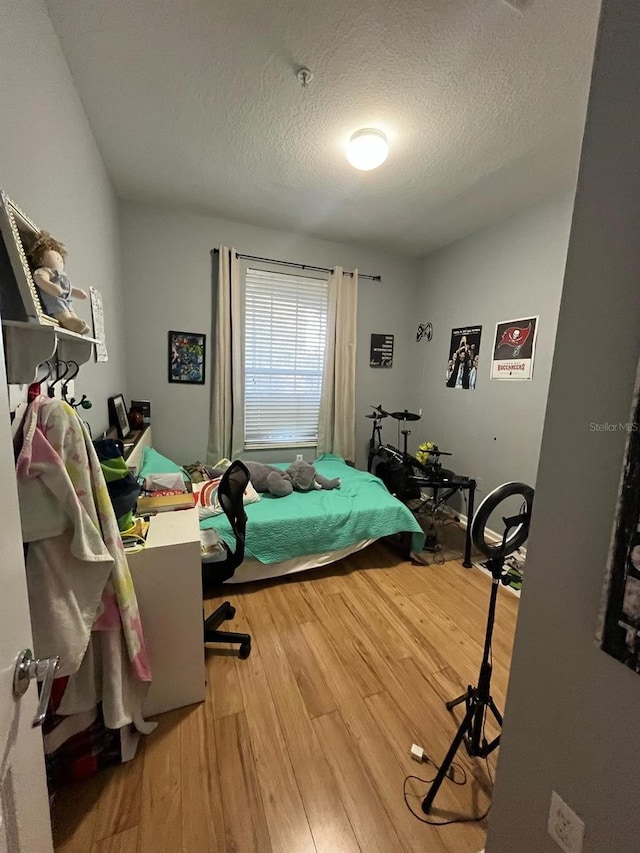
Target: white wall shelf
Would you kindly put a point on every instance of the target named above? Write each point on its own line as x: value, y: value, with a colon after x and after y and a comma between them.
x: 30, y: 344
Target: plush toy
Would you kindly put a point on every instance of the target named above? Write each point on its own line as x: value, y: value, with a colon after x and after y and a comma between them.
x: 301, y: 476
x: 304, y: 477
x: 266, y: 478
x: 47, y: 256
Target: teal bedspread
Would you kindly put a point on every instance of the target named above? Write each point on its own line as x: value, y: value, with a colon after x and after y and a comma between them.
x: 319, y: 521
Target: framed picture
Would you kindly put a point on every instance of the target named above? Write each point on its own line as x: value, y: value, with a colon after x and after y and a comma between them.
x: 187, y: 351
x: 118, y: 415
x: 464, y: 355
x: 381, y: 354
x: 514, y: 348
x: 20, y: 298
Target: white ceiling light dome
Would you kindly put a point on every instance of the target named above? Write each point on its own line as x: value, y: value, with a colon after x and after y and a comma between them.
x: 367, y: 149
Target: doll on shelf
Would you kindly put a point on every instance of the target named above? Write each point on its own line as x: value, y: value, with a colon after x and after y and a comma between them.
x: 47, y: 256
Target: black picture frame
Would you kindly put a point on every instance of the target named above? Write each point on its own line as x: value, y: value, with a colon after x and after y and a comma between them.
x: 187, y: 354
x: 381, y: 353
x: 118, y: 416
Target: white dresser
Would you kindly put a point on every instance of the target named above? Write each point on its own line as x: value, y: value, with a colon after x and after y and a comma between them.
x: 168, y: 582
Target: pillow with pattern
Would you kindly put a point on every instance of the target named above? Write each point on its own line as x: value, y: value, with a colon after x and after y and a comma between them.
x: 207, y: 497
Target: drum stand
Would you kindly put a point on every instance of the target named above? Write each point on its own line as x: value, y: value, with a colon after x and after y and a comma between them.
x: 376, y: 433
x: 478, y: 700
x: 405, y: 433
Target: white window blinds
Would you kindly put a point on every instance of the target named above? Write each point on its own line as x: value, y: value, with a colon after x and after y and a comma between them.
x: 285, y: 333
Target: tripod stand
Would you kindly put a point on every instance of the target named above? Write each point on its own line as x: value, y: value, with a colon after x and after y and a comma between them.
x: 478, y: 700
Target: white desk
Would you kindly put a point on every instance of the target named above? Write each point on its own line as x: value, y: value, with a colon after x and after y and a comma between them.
x: 168, y: 582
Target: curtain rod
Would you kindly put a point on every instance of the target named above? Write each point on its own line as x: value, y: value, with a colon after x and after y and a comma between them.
x: 300, y: 266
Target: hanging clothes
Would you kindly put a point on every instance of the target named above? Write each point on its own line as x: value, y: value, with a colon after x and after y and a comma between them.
x: 82, y: 599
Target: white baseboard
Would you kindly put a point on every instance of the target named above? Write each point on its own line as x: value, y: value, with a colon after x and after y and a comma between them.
x: 492, y: 537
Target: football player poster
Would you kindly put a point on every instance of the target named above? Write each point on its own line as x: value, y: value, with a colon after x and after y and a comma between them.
x: 464, y: 355
x: 514, y: 349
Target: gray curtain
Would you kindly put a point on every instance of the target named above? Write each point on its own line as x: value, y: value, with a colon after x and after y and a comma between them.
x: 336, y: 419
x: 226, y: 424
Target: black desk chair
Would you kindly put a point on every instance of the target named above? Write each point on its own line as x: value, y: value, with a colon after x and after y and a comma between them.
x: 230, y: 493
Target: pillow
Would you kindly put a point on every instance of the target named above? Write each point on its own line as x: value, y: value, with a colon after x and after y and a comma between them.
x: 207, y: 498
x: 155, y: 463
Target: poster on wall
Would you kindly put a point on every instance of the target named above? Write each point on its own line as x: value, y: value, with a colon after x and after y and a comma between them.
x: 464, y: 356
x: 514, y: 349
x: 187, y: 357
x: 618, y: 630
x: 381, y: 354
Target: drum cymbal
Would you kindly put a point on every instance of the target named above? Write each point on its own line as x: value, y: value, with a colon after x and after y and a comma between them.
x: 438, y: 453
x: 377, y: 415
x: 405, y: 416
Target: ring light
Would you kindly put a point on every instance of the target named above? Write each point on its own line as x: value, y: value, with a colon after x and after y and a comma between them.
x: 518, y: 535
x: 478, y: 700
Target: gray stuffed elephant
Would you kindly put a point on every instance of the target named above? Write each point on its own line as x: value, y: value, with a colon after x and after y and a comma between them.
x: 304, y: 477
x: 301, y: 476
x: 266, y: 478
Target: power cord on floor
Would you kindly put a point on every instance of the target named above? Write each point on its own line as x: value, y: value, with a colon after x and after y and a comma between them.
x: 419, y: 755
x: 477, y: 819
x: 440, y: 525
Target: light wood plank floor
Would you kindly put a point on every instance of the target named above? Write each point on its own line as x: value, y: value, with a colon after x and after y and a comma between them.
x: 304, y: 746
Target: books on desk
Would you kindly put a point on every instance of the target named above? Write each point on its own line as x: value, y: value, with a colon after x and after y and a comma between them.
x: 166, y: 499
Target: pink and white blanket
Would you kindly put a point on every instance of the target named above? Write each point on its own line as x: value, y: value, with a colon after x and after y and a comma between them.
x: 77, y: 572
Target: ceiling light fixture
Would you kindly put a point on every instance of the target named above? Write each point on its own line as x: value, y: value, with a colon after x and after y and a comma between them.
x: 367, y: 149
x: 304, y: 75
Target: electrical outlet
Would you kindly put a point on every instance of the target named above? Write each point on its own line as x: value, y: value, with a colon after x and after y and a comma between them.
x: 299, y: 457
x: 564, y: 825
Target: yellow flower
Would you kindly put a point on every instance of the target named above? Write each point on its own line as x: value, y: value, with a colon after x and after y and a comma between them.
x: 424, y: 450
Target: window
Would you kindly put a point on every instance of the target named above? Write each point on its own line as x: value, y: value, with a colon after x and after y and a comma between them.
x: 285, y: 333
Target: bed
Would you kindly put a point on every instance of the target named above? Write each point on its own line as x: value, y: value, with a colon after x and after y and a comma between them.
x: 311, y: 529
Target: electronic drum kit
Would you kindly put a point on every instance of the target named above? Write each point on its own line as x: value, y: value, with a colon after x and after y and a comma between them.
x: 433, y: 471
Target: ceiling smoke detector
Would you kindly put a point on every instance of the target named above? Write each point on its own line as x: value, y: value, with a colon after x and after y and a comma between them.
x: 367, y: 149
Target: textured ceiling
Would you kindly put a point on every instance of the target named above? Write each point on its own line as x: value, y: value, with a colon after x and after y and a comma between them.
x: 196, y: 102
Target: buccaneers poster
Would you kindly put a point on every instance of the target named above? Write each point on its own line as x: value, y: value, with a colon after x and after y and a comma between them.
x: 464, y: 357
x: 514, y: 349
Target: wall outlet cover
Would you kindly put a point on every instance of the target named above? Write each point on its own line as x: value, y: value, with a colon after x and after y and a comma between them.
x: 299, y: 457
x: 564, y: 825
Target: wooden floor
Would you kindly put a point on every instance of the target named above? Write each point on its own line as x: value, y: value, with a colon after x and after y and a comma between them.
x: 304, y: 746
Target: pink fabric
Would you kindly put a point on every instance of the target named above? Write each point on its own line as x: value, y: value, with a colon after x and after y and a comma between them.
x: 68, y: 490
